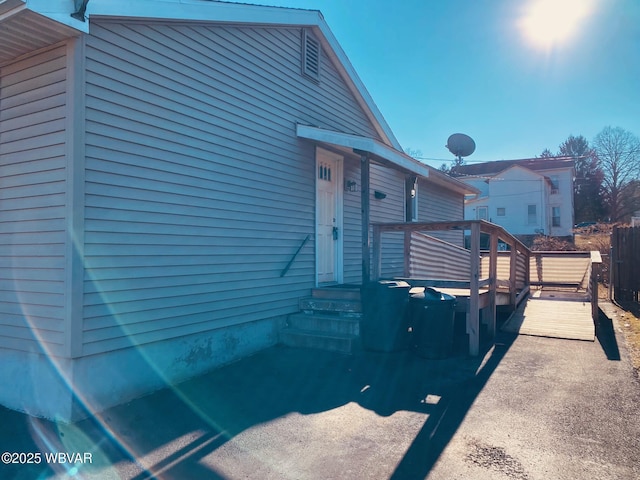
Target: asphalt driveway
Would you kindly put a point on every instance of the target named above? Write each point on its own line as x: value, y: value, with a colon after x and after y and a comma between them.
x: 531, y: 408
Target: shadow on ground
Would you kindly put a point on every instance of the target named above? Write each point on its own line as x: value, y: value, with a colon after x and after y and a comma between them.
x: 606, y: 336
x: 166, y: 434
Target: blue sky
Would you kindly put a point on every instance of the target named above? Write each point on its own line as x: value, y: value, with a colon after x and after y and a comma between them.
x: 439, y: 67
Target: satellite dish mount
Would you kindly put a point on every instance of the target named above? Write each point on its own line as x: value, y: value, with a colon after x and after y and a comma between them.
x: 461, y: 145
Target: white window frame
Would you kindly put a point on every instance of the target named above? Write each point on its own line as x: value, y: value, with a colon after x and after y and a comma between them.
x: 532, y: 218
x: 553, y: 217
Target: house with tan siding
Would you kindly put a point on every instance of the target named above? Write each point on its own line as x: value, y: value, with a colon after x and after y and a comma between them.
x: 174, y: 177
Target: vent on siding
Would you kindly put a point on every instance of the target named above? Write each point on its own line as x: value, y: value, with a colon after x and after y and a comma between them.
x: 310, y: 56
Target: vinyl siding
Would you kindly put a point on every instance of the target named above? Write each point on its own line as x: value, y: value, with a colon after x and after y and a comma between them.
x: 32, y: 202
x: 389, y: 209
x: 352, y: 225
x: 198, y: 192
x: 437, y: 204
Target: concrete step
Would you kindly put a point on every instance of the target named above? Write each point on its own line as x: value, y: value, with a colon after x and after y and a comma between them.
x: 343, y: 343
x: 346, y: 307
x: 343, y: 292
x: 325, y: 323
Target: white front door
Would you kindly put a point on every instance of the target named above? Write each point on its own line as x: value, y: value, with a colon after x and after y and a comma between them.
x: 328, y: 216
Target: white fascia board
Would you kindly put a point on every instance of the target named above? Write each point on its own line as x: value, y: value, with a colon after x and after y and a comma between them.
x: 366, y: 144
x: 358, y: 88
x: 60, y: 11
x: 205, y: 11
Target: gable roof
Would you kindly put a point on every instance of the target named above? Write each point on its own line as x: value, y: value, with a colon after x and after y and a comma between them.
x: 534, y: 164
x: 50, y: 21
x: 524, y: 170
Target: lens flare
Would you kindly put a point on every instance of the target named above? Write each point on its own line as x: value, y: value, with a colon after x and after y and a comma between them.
x: 549, y: 23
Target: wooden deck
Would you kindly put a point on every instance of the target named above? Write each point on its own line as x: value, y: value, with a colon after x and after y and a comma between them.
x: 553, y: 313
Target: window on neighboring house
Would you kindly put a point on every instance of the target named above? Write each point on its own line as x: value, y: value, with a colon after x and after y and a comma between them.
x: 482, y: 213
x: 555, y: 216
x: 555, y: 184
x: 501, y: 211
x: 532, y: 214
x: 311, y: 51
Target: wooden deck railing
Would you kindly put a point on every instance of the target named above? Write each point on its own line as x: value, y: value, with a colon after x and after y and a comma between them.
x: 429, y: 261
x: 474, y: 281
x: 562, y: 269
x: 595, y: 266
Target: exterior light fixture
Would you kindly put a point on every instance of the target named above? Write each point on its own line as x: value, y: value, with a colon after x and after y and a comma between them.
x: 379, y: 195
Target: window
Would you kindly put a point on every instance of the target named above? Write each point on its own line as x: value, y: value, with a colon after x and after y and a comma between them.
x: 310, y: 56
x: 482, y: 213
x: 532, y: 214
x: 324, y: 171
x: 555, y: 216
x: 555, y: 184
x: 501, y: 212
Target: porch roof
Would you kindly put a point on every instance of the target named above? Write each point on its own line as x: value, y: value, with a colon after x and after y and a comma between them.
x: 24, y: 30
x: 383, y: 154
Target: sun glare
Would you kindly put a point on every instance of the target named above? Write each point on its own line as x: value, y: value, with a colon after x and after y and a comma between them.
x: 548, y: 23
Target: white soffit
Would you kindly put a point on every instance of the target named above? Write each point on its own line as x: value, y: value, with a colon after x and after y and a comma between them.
x: 24, y: 30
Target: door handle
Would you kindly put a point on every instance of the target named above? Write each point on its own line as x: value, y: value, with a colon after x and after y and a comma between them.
x: 335, y: 233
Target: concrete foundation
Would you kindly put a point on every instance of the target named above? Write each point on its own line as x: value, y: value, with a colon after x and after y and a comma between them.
x: 70, y: 389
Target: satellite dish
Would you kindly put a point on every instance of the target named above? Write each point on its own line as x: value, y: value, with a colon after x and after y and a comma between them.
x: 461, y: 145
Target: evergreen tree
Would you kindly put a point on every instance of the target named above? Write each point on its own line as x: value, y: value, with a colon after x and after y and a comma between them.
x: 588, y: 200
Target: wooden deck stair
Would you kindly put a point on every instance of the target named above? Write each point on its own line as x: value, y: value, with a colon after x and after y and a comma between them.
x: 328, y: 320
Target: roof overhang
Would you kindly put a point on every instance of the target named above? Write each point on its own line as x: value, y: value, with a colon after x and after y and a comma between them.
x: 382, y: 154
x: 29, y: 25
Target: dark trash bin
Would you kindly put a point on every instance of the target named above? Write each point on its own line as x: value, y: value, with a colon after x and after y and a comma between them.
x: 432, y: 320
x: 384, y: 326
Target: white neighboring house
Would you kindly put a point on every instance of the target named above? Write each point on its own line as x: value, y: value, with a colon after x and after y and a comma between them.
x: 526, y: 197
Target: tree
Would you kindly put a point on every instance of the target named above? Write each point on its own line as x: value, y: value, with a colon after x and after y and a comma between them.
x: 618, y: 153
x: 588, y: 202
x: 546, y: 153
x: 452, y: 170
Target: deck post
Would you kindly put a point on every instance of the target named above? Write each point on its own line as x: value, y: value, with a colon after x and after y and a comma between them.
x: 407, y: 252
x: 493, y: 283
x: 473, y: 317
x: 376, y: 267
x: 365, y: 214
x: 513, y: 275
x: 596, y: 265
